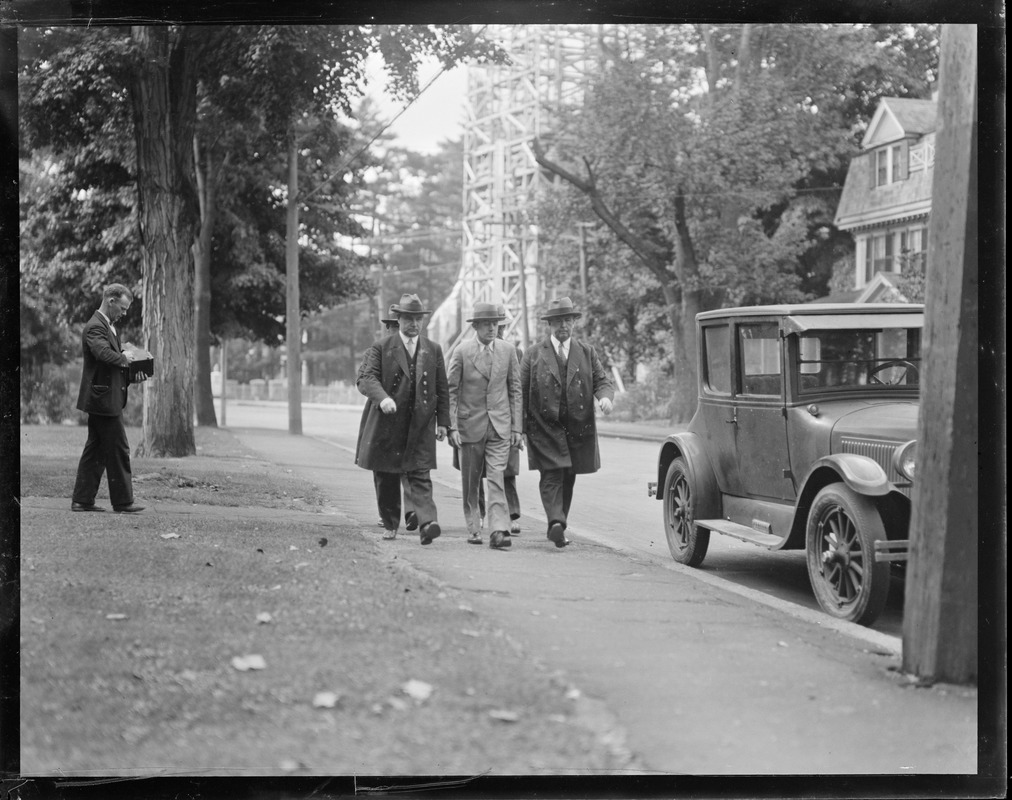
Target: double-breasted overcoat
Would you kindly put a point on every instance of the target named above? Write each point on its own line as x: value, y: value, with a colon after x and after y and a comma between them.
x: 404, y: 441
x: 549, y: 444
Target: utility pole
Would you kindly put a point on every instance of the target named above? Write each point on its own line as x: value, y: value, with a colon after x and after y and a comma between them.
x: 293, y: 331
x: 224, y: 379
x: 941, y: 603
x: 583, y: 257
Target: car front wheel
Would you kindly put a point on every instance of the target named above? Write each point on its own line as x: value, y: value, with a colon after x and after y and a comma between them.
x: 842, y: 530
x: 686, y: 542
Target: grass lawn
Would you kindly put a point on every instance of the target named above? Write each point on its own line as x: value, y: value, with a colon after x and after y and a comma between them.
x: 130, y: 625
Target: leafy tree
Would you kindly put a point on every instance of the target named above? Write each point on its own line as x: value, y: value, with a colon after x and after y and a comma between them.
x: 714, y: 153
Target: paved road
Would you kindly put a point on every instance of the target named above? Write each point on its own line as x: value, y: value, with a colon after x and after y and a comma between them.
x: 610, y: 507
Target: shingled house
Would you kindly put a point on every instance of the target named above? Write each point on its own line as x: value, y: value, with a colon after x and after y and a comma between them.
x: 886, y: 198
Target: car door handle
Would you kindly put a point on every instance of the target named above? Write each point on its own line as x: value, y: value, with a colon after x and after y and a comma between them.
x: 734, y: 419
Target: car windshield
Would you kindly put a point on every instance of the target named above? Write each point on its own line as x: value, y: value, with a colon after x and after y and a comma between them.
x: 852, y: 359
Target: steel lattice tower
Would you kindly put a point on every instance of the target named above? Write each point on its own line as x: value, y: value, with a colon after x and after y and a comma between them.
x: 507, y: 106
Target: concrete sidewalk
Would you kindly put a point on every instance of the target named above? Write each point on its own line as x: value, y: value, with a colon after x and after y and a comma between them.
x: 687, y: 678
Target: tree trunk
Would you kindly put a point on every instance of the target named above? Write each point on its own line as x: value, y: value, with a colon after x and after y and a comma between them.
x: 292, y: 320
x: 206, y: 182
x: 163, y: 95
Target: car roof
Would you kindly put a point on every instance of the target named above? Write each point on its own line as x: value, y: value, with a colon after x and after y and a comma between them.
x: 814, y: 309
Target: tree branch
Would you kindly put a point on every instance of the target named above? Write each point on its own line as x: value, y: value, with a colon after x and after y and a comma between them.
x: 652, y: 255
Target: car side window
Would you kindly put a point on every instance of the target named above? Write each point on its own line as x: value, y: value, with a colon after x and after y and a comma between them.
x: 717, y: 358
x: 759, y: 349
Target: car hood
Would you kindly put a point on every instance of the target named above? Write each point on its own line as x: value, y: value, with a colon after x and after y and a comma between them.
x: 895, y: 422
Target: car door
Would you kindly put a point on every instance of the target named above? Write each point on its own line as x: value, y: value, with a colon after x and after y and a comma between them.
x: 761, y: 425
x: 716, y: 405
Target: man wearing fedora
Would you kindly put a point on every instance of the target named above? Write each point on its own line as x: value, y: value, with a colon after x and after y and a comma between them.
x: 404, y: 377
x: 485, y: 421
x: 390, y: 326
x: 561, y: 380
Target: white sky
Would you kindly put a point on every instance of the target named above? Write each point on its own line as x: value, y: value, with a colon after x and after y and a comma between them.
x: 437, y: 114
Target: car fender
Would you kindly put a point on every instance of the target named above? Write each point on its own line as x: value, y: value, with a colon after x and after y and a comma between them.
x: 860, y: 473
x: 690, y: 447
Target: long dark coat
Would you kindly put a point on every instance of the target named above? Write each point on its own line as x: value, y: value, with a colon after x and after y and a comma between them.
x: 404, y: 441
x: 106, y: 373
x: 549, y: 445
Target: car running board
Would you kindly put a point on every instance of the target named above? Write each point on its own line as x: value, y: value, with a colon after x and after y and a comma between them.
x: 743, y: 532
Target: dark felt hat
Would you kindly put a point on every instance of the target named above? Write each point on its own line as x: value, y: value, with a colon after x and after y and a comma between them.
x: 562, y: 307
x: 391, y: 317
x: 410, y: 304
x: 483, y: 312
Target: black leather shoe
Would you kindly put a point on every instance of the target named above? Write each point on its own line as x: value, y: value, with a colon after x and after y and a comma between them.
x: 430, y: 530
x: 85, y: 507
x: 499, y: 540
x: 411, y: 521
x: 130, y: 509
x: 474, y: 538
x: 557, y: 533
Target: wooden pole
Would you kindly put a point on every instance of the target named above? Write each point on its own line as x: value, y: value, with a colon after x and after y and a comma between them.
x: 224, y: 379
x: 940, y: 611
x: 293, y: 338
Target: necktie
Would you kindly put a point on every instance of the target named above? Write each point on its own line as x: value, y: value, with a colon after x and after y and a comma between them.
x: 564, y: 351
x: 411, y: 348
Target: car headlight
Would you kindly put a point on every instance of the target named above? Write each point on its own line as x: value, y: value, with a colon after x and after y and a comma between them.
x: 905, y: 459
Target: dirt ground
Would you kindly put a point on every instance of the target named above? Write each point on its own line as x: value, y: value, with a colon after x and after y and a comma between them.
x: 243, y: 631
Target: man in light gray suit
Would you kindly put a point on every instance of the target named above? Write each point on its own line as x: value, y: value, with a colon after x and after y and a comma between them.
x: 486, y: 418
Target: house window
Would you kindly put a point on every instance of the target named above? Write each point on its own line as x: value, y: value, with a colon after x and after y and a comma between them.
x: 879, y: 254
x: 913, y: 248
x: 887, y: 165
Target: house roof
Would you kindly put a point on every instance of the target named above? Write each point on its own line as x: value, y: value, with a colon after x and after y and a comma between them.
x: 914, y: 116
x: 900, y: 117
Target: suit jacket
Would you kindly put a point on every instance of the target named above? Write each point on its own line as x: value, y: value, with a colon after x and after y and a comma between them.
x: 549, y: 444
x: 404, y: 441
x: 106, y: 373
x: 483, y: 393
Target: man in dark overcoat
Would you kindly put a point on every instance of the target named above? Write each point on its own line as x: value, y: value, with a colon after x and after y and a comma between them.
x: 390, y: 325
x: 104, y: 378
x: 404, y: 376
x: 562, y: 378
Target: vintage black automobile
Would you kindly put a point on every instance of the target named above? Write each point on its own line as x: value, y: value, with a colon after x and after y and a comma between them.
x: 804, y: 437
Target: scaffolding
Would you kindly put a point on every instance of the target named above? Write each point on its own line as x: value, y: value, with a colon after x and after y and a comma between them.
x: 507, y: 106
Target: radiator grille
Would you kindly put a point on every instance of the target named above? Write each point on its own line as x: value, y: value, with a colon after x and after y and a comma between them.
x: 882, y: 454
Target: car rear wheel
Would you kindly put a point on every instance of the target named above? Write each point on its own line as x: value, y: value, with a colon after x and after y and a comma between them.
x: 686, y: 542
x: 842, y: 530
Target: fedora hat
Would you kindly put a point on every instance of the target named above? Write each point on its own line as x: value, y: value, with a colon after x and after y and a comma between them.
x: 391, y: 317
x: 484, y: 312
x: 409, y: 304
x: 562, y: 307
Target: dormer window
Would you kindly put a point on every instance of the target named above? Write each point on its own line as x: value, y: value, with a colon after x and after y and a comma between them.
x: 887, y: 165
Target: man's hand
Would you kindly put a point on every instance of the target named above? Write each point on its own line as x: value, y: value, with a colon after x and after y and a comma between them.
x: 130, y: 356
x: 388, y: 406
x: 440, y: 433
x: 139, y: 377
x: 455, y: 439
x: 516, y: 440
x: 606, y: 405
